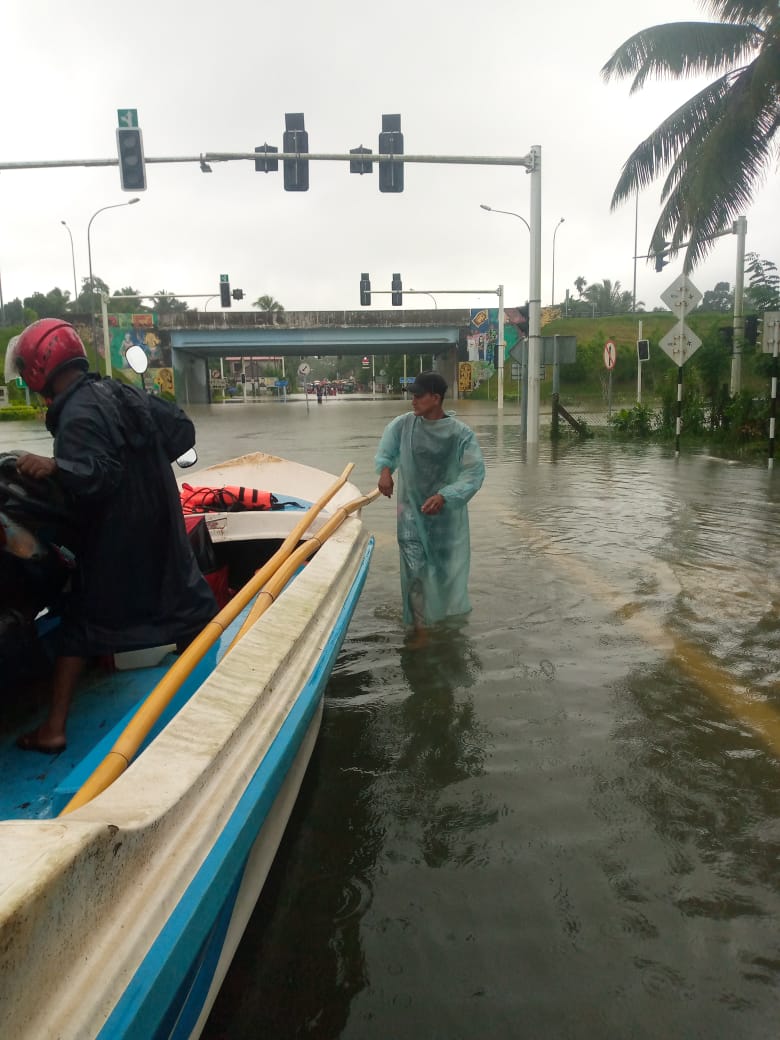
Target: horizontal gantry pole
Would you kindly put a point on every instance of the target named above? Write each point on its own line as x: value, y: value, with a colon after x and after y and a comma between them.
x: 462, y: 160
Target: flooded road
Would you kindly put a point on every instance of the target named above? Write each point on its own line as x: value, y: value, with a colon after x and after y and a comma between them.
x: 561, y: 818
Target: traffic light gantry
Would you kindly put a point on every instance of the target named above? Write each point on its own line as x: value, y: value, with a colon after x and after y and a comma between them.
x: 295, y: 141
x: 396, y: 290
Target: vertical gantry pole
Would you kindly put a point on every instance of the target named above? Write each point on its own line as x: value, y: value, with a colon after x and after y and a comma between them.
x: 535, y: 296
x: 500, y: 349
x: 106, y: 344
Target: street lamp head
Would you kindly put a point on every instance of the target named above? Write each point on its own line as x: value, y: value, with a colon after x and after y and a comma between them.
x: 131, y: 201
x: 483, y: 206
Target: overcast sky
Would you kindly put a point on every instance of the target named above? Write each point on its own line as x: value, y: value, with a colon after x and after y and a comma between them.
x: 490, y: 78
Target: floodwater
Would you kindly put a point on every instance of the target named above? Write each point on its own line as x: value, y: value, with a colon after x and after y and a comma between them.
x: 560, y: 819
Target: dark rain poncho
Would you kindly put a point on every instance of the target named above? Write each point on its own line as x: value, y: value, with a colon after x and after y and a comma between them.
x: 433, y: 456
x: 137, y: 583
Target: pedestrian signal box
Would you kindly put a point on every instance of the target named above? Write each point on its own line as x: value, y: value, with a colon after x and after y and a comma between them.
x: 643, y: 349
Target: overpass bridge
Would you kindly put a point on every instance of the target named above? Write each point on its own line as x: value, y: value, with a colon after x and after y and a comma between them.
x: 197, y: 336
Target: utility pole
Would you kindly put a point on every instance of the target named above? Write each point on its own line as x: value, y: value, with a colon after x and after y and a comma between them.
x: 740, y: 229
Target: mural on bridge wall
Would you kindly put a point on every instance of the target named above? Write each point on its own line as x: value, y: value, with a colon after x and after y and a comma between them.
x: 127, y: 330
x: 482, y: 342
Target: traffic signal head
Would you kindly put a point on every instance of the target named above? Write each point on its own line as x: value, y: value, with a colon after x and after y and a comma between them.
x: 360, y: 165
x: 264, y: 164
x: 224, y: 291
x: 660, y: 263
x: 237, y: 294
x: 391, y: 142
x: 365, y: 290
x: 396, y: 295
x: 130, y: 147
x: 751, y: 329
x: 295, y: 139
x: 522, y: 320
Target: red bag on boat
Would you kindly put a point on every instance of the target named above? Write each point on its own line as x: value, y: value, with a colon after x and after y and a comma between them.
x: 226, y: 499
x: 202, y: 546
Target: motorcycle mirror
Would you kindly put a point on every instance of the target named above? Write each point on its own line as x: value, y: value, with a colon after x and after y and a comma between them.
x: 137, y: 359
x: 189, y: 458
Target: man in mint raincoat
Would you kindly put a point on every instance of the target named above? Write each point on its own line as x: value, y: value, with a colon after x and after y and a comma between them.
x: 441, y: 467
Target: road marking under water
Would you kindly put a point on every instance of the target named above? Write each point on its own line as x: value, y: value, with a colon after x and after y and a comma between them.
x: 749, y: 706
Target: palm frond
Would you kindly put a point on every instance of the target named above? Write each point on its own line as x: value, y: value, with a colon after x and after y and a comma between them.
x: 713, y: 180
x: 688, y: 124
x: 757, y: 12
x: 682, y: 49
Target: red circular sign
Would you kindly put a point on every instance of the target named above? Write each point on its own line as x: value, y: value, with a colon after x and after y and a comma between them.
x: 610, y: 354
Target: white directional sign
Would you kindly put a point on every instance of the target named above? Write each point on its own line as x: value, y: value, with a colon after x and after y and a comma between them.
x: 680, y: 343
x: 681, y: 297
x: 127, y: 117
x: 770, y: 340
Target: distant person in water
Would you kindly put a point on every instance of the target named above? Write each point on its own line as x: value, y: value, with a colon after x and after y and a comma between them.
x: 440, y: 466
x: 136, y: 582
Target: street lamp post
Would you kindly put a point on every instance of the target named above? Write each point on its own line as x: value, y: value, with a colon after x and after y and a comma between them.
x: 508, y: 213
x: 422, y: 292
x: 552, y: 300
x: 115, y: 205
x: 73, y: 258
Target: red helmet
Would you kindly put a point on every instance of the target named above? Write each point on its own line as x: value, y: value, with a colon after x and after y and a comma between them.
x: 44, y: 349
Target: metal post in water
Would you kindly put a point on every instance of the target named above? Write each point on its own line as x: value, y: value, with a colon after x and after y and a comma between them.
x: 678, y: 423
x: 639, y: 368
x: 772, y: 320
x: 524, y: 388
x: 535, y: 297
x: 500, y: 349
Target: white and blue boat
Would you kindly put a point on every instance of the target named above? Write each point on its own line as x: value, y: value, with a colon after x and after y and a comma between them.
x: 125, y: 888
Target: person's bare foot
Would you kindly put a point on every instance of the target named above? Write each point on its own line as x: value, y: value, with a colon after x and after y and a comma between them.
x: 36, y: 741
x: 419, y: 639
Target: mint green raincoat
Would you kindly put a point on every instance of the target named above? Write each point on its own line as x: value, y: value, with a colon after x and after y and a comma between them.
x: 433, y: 456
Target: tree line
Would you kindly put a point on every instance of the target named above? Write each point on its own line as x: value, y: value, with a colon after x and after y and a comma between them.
x: 58, y: 303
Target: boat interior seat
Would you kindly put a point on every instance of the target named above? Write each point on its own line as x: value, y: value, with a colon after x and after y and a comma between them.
x: 79, y: 775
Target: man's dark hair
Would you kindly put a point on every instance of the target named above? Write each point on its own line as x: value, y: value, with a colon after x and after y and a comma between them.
x: 429, y: 383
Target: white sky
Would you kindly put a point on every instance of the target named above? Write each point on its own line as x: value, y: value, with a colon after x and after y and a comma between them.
x: 492, y: 78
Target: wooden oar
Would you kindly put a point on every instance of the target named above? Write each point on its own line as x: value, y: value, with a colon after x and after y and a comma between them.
x: 124, y: 750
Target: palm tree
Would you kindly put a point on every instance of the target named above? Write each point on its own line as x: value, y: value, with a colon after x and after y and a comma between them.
x: 607, y: 297
x: 164, y: 303
x: 268, y: 303
x: 719, y: 145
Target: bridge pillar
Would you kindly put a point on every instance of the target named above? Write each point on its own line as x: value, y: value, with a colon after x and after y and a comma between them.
x: 446, y: 364
x: 191, y: 377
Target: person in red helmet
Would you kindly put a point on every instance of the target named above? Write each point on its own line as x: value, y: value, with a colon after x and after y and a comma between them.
x: 136, y: 582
